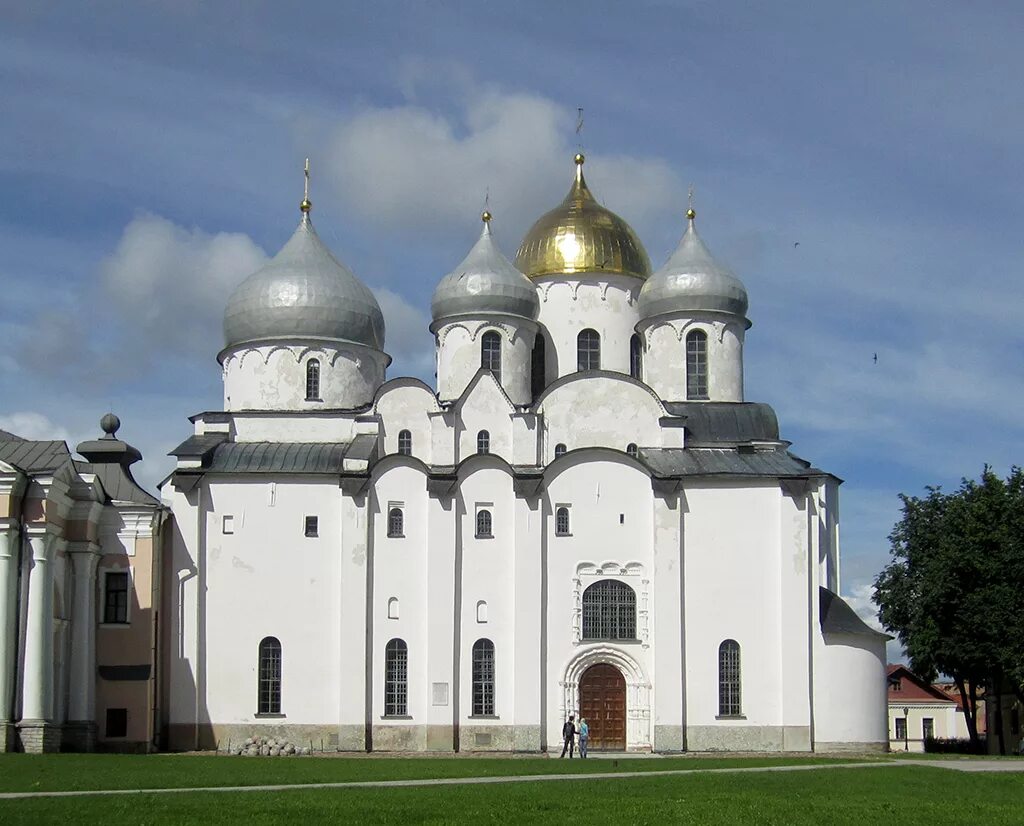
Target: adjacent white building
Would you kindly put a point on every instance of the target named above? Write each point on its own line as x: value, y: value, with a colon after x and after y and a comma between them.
x: 584, y: 517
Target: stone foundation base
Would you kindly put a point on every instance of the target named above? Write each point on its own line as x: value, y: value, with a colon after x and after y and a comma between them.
x: 39, y: 737
x: 748, y: 738
x: 8, y: 736
x: 873, y: 748
x: 78, y: 735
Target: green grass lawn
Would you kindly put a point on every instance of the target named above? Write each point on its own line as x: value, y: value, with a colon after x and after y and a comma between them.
x: 900, y: 794
x: 55, y: 772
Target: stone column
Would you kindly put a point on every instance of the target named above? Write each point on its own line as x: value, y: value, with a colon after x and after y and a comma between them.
x: 37, y: 733
x: 9, y: 538
x: 80, y: 730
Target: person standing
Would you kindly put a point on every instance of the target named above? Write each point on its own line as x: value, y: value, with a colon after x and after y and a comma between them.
x: 584, y: 736
x: 568, y: 735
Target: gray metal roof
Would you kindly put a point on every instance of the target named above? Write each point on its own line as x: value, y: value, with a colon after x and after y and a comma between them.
x: 836, y: 617
x: 779, y: 463
x: 278, y: 457
x: 34, y: 457
x: 485, y: 282
x: 692, y: 280
x: 303, y: 292
x: 196, y: 447
x: 711, y: 422
x: 9, y: 437
x: 118, y: 482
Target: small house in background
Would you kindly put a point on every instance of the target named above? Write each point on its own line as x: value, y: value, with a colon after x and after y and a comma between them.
x: 919, y: 711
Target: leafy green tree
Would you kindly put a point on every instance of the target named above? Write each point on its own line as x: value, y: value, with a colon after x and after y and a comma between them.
x: 953, y: 592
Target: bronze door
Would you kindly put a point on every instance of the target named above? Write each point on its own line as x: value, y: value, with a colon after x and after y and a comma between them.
x: 603, y: 705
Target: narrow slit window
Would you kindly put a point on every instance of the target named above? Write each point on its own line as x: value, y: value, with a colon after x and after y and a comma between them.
x: 396, y: 522
x: 562, y: 522
x: 269, y: 688
x: 396, y: 679
x: 729, y: 679
x: 636, y: 363
x: 696, y: 365
x: 483, y: 524
x: 313, y: 380
x: 588, y: 350
x: 483, y: 678
x: 312, y: 526
x: 405, y: 442
x: 490, y: 354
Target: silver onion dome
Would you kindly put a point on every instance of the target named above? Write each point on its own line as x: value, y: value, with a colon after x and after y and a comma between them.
x: 303, y: 292
x: 485, y: 282
x: 692, y: 280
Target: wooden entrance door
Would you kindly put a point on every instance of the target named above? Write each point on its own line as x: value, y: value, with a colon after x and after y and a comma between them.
x: 603, y: 705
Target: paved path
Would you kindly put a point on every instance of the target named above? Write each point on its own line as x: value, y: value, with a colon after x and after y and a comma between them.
x: 955, y: 765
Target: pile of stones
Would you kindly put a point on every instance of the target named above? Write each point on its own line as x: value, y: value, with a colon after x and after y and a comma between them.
x: 267, y: 747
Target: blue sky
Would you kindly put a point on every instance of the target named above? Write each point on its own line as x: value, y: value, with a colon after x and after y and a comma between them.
x: 858, y: 166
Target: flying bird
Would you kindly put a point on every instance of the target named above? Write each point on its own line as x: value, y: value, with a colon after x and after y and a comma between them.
x: 875, y: 358
x: 796, y: 243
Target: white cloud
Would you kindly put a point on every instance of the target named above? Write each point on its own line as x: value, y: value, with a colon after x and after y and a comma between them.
x: 416, y: 167
x: 33, y: 426
x: 406, y: 336
x: 170, y: 284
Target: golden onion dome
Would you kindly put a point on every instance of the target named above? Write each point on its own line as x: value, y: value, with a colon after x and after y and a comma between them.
x: 580, y: 235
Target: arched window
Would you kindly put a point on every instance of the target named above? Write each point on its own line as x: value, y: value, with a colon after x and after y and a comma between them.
x: 729, y: 679
x: 609, y: 611
x: 696, y: 364
x: 483, y: 524
x: 559, y: 450
x: 313, y: 380
x: 269, y: 689
x: 588, y: 350
x: 483, y: 442
x: 562, y: 522
x: 537, y: 366
x: 481, y: 611
x: 396, y: 679
x: 393, y: 608
x: 396, y: 522
x: 631, y: 449
x: 405, y: 442
x: 483, y: 678
x: 636, y: 359
x: 490, y: 353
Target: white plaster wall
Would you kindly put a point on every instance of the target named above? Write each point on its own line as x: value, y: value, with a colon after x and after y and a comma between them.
x: 488, y: 574
x: 273, y: 376
x: 600, y: 411
x: 405, y: 405
x: 399, y: 570
x: 484, y: 408
x: 598, y: 492
x: 459, y: 356
x: 732, y: 592
x: 667, y: 622
x: 282, y: 427
x: 571, y: 303
x: 665, y: 356
x: 267, y: 579
x: 180, y: 601
x: 849, y: 689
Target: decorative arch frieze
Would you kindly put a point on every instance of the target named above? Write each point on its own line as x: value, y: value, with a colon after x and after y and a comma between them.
x: 632, y: 573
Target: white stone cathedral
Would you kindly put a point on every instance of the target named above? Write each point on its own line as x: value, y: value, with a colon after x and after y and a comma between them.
x: 584, y: 517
